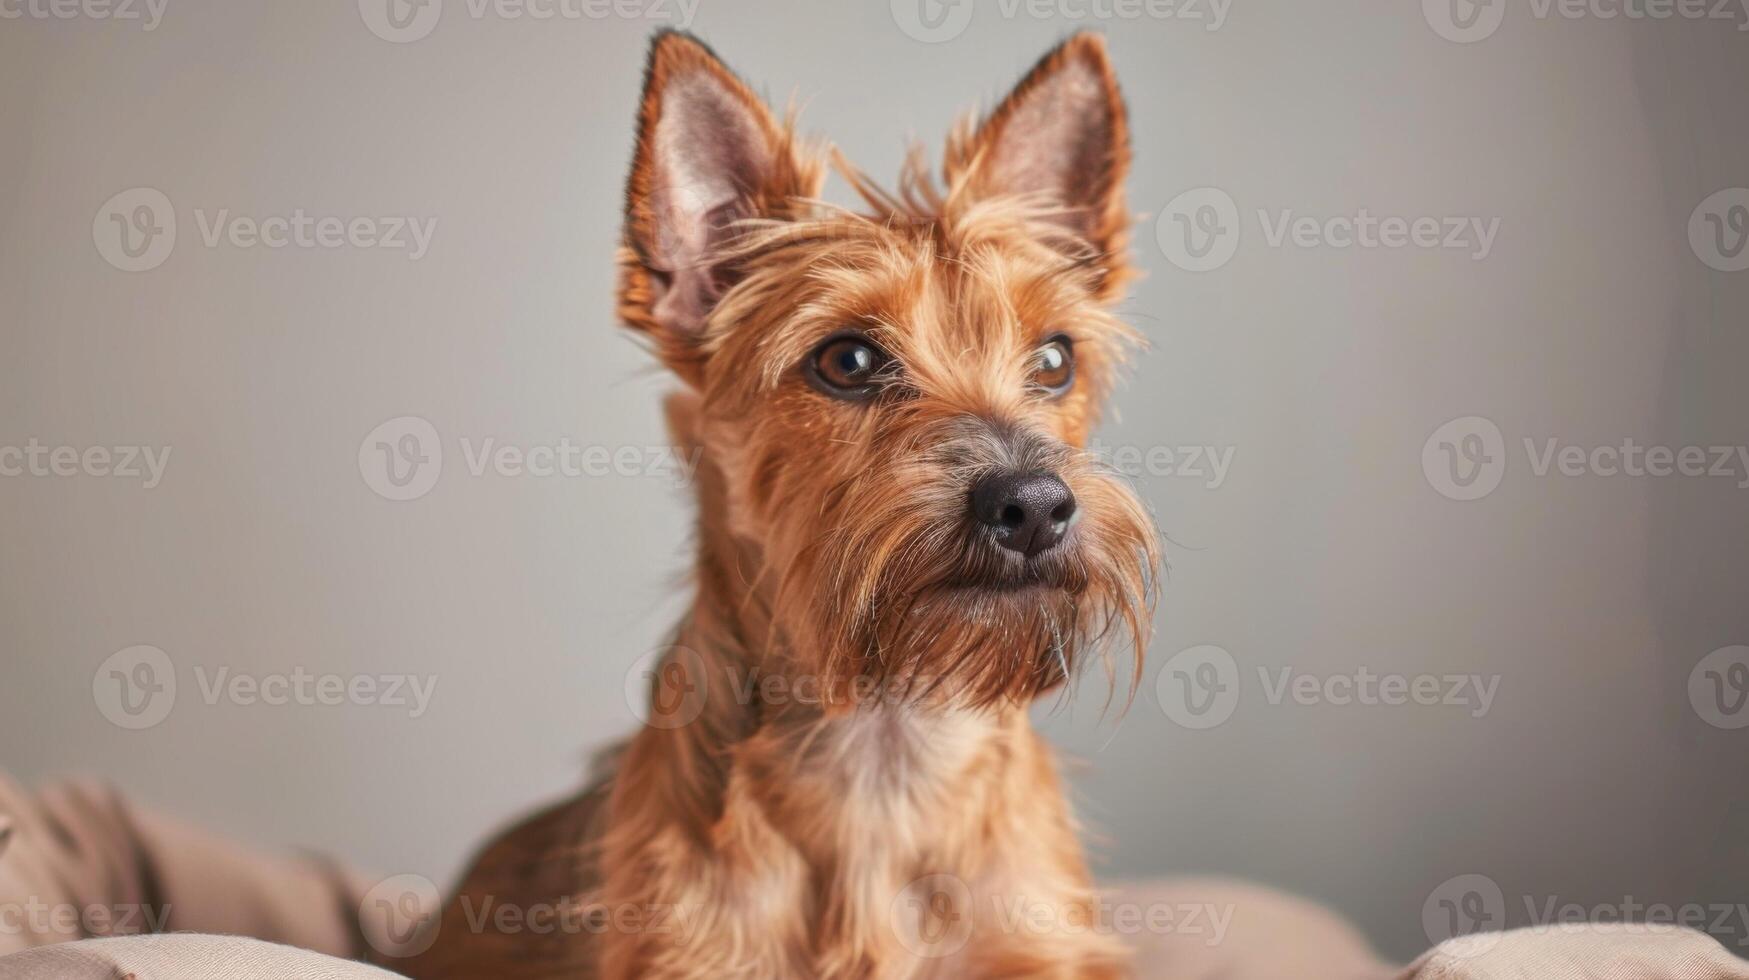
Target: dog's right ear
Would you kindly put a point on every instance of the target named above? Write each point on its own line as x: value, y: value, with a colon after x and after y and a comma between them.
x: 709, y: 154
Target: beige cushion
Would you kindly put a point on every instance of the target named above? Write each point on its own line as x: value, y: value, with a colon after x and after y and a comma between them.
x: 1580, y: 951
x: 181, y: 956
x: 77, y: 861
x: 1218, y: 929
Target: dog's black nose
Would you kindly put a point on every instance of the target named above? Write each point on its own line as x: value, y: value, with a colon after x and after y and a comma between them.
x: 1029, y: 512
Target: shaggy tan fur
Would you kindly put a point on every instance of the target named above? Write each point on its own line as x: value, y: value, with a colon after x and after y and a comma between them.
x: 839, y: 778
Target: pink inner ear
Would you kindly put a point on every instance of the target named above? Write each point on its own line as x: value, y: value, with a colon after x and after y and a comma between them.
x: 1057, y: 139
x: 709, y: 154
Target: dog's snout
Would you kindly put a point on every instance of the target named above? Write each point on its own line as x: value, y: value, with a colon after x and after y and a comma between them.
x: 1028, y: 512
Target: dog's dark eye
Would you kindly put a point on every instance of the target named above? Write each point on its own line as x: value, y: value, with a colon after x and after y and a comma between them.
x: 847, y: 367
x: 1054, y: 366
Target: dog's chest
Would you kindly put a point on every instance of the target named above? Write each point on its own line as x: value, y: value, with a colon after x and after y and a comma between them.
x: 875, y: 806
x: 891, y: 764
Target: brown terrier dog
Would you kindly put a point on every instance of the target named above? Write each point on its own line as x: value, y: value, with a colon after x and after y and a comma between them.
x: 902, y: 543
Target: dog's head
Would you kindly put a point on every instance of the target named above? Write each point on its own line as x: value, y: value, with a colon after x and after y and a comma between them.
x: 896, y: 401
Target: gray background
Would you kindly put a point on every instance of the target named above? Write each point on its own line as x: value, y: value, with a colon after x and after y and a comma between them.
x: 1591, y: 779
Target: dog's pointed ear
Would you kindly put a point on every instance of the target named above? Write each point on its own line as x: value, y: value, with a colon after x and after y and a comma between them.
x: 1061, y: 136
x: 709, y: 153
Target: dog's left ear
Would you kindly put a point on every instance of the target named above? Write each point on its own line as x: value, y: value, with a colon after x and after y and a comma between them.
x: 1061, y: 136
x: 709, y: 154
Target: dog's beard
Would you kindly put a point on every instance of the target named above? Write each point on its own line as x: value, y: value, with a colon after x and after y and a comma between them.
x: 906, y: 601
x: 970, y: 644
x: 989, y: 629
